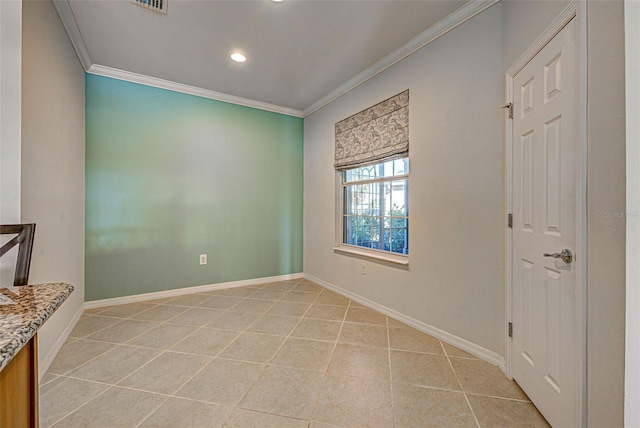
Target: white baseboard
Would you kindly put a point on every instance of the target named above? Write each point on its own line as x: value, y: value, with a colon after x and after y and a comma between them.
x: 465, y: 345
x: 187, y: 290
x: 44, y: 365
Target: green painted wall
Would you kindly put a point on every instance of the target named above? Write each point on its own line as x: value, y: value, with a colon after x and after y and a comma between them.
x: 171, y: 176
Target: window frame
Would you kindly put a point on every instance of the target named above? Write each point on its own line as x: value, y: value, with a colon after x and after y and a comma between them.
x: 373, y: 253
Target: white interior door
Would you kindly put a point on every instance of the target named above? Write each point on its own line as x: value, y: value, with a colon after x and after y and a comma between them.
x: 545, y: 347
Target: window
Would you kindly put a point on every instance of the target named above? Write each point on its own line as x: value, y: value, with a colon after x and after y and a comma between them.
x: 376, y: 206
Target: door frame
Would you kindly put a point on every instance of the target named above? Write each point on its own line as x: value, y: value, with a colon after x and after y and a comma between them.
x: 575, y: 10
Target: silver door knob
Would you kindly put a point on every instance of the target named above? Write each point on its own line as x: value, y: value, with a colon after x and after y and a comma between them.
x: 565, y: 255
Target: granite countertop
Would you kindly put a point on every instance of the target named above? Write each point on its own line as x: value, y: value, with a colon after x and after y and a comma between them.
x: 23, y: 310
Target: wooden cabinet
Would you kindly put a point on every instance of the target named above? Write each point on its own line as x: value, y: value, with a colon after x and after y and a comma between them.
x: 19, y: 389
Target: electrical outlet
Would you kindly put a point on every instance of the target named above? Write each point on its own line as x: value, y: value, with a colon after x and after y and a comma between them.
x: 364, y: 269
x: 203, y: 259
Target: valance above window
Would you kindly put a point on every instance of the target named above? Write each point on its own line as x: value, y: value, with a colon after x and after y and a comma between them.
x: 378, y: 133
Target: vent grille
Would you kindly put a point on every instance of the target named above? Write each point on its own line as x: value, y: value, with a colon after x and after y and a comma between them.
x: 157, y: 5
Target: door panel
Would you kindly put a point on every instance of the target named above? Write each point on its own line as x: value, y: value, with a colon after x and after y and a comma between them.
x: 545, y: 154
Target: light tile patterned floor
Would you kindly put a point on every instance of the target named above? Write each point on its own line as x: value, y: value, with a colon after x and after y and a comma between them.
x: 285, y: 354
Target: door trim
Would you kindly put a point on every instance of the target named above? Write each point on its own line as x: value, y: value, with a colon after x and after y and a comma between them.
x: 578, y: 10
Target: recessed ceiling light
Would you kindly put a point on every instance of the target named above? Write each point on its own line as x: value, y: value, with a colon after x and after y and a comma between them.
x: 238, y: 57
x: 277, y: 1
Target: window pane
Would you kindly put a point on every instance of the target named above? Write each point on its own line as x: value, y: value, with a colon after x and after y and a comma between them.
x: 350, y: 230
x: 399, y: 241
x: 385, y: 169
x: 376, y: 213
x: 364, y: 231
x: 399, y: 198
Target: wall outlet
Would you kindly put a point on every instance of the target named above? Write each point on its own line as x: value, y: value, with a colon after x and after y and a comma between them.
x: 364, y: 269
x: 203, y: 259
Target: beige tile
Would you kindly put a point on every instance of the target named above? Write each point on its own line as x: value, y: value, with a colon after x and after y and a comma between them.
x: 179, y: 412
x: 364, y: 334
x: 117, y: 407
x: 220, y: 302
x: 452, y: 351
x: 222, y: 381
x: 395, y: 323
x: 423, y: 407
x: 75, y: 353
x: 64, y: 395
x: 115, y: 364
x: 310, y: 328
x: 242, y: 418
x: 360, y: 361
x: 269, y: 294
x: 323, y: 425
x: 330, y: 298
x: 300, y: 297
x: 159, y: 300
x: 126, y: 311
x: 232, y: 320
x: 237, y: 292
x: 410, y: 339
x: 304, y: 354
x: 495, y: 412
x: 256, y: 306
x: 160, y: 313
x: 351, y: 401
x: 122, y: 331
x: 325, y: 312
x: 91, y: 324
x: 196, y: 317
x: 205, y: 341
x: 354, y: 304
x: 273, y: 324
x: 48, y: 377
x: 366, y: 316
x: 423, y: 369
x: 166, y: 373
x: 281, y: 285
x: 257, y: 348
x: 289, y: 309
x: 163, y: 336
x: 95, y: 311
x: 308, y: 287
x: 189, y: 300
x: 480, y: 377
x: 285, y: 391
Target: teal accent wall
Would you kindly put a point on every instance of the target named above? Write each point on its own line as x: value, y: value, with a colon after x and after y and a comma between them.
x: 171, y: 176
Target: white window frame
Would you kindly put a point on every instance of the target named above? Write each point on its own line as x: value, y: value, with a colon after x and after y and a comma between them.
x: 341, y: 247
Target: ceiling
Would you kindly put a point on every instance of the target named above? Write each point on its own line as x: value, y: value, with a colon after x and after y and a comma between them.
x: 298, y: 50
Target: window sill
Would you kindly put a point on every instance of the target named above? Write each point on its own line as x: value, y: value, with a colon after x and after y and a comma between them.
x: 377, y: 255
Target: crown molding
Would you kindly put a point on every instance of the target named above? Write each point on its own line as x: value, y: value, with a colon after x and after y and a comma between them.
x: 142, y: 79
x: 63, y: 9
x: 439, y: 29
x: 453, y: 20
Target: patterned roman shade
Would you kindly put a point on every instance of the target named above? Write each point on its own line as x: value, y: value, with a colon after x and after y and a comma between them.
x: 375, y: 134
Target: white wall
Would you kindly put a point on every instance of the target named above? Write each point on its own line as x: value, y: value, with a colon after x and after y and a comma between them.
x: 632, y: 327
x: 606, y: 193
x: 10, y: 66
x: 53, y: 163
x: 455, y: 279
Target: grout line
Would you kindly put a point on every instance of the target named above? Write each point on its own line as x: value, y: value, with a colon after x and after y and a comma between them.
x: 109, y: 386
x: 460, y: 383
x: 333, y: 353
x: 393, y: 413
x: 275, y: 353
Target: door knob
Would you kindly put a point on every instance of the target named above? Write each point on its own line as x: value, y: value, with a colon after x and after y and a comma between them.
x: 565, y: 255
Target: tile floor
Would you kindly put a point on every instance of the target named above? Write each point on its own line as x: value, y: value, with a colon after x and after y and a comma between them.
x: 285, y: 354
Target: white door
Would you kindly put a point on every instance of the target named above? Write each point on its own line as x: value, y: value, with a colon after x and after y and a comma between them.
x: 545, y: 347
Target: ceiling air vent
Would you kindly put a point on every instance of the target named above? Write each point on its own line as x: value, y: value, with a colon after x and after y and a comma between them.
x: 157, y: 5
